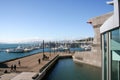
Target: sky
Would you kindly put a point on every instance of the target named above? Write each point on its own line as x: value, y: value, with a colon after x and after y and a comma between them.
x: 48, y: 19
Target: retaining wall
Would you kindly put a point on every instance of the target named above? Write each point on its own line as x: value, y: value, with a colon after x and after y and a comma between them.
x: 88, y: 58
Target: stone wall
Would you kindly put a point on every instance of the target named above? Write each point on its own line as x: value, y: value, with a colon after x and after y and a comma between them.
x: 97, y: 22
x: 93, y: 57
x: 88, y: 58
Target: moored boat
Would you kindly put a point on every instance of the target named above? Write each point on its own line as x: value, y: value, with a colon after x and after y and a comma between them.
x: 15, y: 50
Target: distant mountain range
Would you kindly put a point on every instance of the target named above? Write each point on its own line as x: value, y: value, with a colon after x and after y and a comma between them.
x: 38, y: 40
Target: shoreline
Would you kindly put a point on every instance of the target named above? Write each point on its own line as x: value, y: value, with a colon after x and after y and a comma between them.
x: 29, y: 64
x: 6, y: 60
x: 19, y: 57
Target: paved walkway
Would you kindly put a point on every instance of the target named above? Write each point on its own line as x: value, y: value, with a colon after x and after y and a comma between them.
x: 24, y: 76
x: 8, y: 76
x: 27, y: 64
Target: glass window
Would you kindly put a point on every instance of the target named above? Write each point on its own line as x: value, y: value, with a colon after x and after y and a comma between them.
x: 105, y: 55
x: 115, y: 53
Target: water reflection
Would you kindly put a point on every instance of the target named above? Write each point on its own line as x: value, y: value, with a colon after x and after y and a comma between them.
x: 66, y: 69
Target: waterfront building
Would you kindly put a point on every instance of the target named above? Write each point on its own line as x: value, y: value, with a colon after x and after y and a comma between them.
x: 93, y: 57
x: 85, y: 41
x: 110, y: 34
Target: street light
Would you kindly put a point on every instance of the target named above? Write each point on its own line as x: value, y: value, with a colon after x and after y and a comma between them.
x: 43, y: 49
x: 50, y: 47
x: 54, y: 47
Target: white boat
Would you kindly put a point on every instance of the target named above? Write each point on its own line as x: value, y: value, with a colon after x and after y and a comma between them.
x: 15, y: 50
x: 87, y: 48
x: 63, y: 48
x: 28, y: 49
x: 9, y: 50
x: 54, y: 48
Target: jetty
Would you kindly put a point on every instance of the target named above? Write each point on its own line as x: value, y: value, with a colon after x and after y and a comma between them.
x: 30, y: 65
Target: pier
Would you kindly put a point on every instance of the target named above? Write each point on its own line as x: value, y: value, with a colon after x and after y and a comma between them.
x: 28, y: 65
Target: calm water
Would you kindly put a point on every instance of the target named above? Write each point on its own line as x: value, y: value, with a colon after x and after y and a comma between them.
x: 7, y: 56
x: 66, y: 69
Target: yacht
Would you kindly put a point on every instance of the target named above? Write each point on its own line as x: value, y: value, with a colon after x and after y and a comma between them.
x: 15, y: 50
x: 28, y: 49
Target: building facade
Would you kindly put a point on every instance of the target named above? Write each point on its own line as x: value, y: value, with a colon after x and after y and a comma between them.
x: 110, y: 37
x: 93, y: 57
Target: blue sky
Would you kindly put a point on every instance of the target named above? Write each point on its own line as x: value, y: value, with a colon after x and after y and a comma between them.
x: 48, y: 19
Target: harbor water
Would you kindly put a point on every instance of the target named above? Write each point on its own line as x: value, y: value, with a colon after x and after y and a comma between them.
x: 4, y: 56
x: 66, y: 69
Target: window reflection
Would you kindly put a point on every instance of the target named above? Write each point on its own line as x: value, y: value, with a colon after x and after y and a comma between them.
x: 105, y: 55
x: 115, y: 53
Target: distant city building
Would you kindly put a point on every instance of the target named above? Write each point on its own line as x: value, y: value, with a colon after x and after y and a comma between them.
x: 110, y: 33
x: 88, y: 40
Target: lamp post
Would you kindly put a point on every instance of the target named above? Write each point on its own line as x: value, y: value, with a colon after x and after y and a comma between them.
x: 50, y: 47
x: 43, y: 47
x: 54, y: 47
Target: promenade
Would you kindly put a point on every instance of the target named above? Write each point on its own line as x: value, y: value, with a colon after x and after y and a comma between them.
x: 27, y: 64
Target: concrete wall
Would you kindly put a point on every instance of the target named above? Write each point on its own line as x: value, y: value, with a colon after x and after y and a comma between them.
x: 93, y: 57
x: 88, y: 58
x: 97, y: 22
x: 46, y: 68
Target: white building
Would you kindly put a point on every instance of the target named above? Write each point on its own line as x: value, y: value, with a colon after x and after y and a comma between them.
x: 110, y: 33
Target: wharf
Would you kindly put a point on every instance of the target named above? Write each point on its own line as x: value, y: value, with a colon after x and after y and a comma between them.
x: 27, y: 64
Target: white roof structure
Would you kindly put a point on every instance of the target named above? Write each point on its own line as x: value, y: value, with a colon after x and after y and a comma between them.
x: 108, y: 24
x: 113, y: 21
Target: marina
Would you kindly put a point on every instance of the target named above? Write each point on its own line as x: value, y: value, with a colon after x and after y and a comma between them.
x: 5, y: 56
x: 60, y: 40
x: 17, y: 61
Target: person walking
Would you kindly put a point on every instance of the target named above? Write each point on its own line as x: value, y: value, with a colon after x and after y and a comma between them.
x: 14, y: 67
x: 39, y: 61
x: 19, y: 63
x: 11, y: 68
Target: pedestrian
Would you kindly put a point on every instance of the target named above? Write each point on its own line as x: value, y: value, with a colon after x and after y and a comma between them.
x: 6, y: 71
x: 39, y: 61
x: 19, y: 63
x: 12, y: 67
